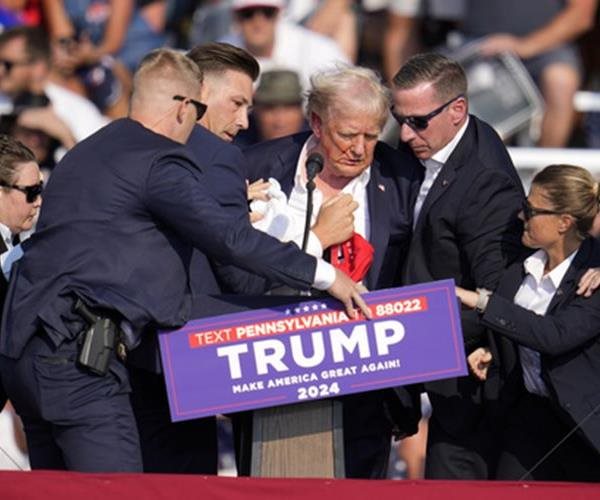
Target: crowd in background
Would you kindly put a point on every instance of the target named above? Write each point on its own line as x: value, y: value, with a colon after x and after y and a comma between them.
x: 66, y: 65
x: 95, y: 46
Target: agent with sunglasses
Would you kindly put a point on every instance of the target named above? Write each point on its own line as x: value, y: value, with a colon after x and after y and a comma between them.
x: 228, y: 73
x: 557, y: 332
x: 122, y: 214
x: 20, y: 201
x: 20, y: 197
x: 465, y: 227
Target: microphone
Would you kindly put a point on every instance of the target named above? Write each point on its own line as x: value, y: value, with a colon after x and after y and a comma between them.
x: 314, y: 164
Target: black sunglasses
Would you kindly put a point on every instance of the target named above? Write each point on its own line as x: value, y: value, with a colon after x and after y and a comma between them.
x: 421, y: 122
x: 250, y: 12
x: 529, y: 211
x: 200, y: 106
x: 9, y: 65
x: 31, y: 192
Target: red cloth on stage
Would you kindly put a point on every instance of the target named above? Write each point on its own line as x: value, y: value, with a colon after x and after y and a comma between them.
x: 354, y: 256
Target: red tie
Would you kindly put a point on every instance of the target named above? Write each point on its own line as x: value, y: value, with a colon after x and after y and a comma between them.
x: 354, y: 256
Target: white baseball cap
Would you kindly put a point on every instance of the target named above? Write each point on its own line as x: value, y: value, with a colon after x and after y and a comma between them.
x: 248, y: 4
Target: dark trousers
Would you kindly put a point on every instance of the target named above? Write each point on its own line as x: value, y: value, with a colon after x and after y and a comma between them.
x: 188, y: 447
x: 466, y: 457
x: 534, y: 428
x: 73, y: 419
x: 367, y: 435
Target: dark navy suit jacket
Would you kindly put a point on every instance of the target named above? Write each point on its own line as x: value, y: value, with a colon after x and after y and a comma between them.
x: 467, y: 230
x: 121, y: 215
x: 567, y: 336
x: 225, y: 177
x: 3, y: 288
x: 391, y: 192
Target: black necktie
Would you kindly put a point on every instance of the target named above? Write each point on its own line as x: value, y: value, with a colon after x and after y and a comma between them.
x: 16, y: 239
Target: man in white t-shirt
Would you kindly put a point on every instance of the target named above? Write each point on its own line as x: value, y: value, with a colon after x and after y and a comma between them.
x: 278, y: 44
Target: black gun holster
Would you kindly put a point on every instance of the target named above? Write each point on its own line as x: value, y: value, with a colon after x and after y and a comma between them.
x: 97, y: 341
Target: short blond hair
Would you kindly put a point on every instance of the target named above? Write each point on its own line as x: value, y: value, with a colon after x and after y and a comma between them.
x: 166, y: 70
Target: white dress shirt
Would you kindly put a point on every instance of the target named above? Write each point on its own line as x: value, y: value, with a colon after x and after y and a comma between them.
x: 433, y: 166
x: 535, y: 294
x: 357, y: 187
x: 286, y: 220
x: 12, y: 253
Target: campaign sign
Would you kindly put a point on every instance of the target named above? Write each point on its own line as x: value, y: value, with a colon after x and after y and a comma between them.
x: 312, y: 350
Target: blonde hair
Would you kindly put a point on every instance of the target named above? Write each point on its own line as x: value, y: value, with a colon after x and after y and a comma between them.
x: 348, y: 87
x: 165, y: 71
x: 571, y: 190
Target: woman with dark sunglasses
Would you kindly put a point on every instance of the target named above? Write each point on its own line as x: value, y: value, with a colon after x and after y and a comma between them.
x: 553, y: 430
x: 20, y: 193
x: 17, y: 214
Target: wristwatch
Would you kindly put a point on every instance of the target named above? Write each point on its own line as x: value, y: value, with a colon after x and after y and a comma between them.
x: 483, y: 297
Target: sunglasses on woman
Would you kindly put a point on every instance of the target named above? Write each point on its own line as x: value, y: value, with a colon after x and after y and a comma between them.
x: 31, y: 192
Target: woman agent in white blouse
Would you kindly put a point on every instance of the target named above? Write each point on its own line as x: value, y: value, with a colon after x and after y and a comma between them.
x: 553, y: 432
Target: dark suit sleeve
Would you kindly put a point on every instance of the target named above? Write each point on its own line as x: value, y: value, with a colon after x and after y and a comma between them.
x: 488, y: 228
x: 489, y: 234
x: 568, y: 328
x: 226, y: 180
x: 177, y: 196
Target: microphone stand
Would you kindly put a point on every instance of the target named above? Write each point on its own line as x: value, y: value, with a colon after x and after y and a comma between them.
x: 310, y: 187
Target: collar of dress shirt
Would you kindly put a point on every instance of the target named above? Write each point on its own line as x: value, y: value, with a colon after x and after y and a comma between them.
x: 6, y: 236
x: 300, y: 178
x: 441, y: 157
x: 535, y: 263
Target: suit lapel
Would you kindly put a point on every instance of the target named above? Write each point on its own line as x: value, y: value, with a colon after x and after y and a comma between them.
x: 572, y: 276
x: 378, y: 226
x: 284, y: 168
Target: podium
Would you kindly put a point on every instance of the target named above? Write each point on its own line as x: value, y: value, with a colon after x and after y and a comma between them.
x: 300, y: 440
x: 281, y: 371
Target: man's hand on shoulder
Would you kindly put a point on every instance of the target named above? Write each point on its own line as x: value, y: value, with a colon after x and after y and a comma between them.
x: 589, y: 282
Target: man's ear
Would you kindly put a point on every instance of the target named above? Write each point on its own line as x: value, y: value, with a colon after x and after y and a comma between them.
x: 316, y: 124
x: 458, y: 109
x: 183, y: 108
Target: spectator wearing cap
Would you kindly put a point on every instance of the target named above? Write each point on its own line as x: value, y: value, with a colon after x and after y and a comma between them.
x: 278, y: 44
x: 277, y: 108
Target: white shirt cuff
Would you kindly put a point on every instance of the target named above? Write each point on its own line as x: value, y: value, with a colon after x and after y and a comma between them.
x: 324, y: 275
x: 313, y: 246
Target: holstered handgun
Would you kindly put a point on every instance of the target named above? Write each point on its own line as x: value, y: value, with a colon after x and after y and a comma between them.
x: 99, y: 340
